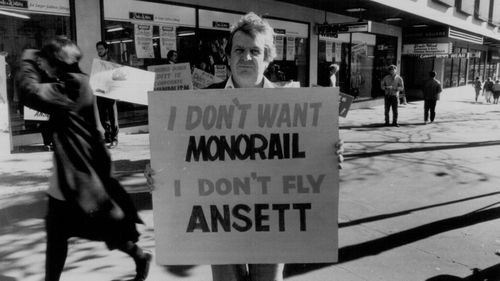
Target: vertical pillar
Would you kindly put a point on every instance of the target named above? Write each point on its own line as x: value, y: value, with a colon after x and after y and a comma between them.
x: 88, y: 30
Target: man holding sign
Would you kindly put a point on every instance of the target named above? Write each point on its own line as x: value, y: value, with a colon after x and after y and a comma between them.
x: 244, y: 168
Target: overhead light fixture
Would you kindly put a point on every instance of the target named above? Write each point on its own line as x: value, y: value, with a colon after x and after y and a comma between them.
x: 127, y: 40
x: 185, y: 34
x: 115, y: 28
x: 21, y: 16
x: 394, y: 19
x: 353, y: 10
x: 419, y: 25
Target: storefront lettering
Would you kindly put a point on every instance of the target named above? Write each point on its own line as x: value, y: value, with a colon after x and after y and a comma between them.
x: 14, y: 3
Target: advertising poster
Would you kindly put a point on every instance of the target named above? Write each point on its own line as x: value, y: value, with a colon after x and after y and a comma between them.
x: 329, y: 50
x: 171, y: 77
x: 31, y: 114
x: 290, y: 48
x: 248, y: 171
x: 278, y: 42
x: 124, y: 83
x: 338, y: 52
x: 168, y: 40
x: 202, y: 79
x: 144, y: 41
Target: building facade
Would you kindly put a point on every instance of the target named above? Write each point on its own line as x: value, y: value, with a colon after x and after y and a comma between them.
x: 459, y: 41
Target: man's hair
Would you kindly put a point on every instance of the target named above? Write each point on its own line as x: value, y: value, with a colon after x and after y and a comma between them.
x: 432, y: 74
x: 102, y: 43
x: 251, y: 25
x: 391, y: 67
x: 170, y: 53
x: 333, y: 67
x: 62, y: 53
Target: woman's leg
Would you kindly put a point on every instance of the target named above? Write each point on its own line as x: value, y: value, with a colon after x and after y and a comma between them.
x: 142, y: 259
x: 266, y: 272
x: 229, y: 272
x: 57, y: 240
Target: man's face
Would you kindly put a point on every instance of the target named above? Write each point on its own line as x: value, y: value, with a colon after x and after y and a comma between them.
x: 247, y: 60
x: 174, y: 57
x: 101, y: 51
x: 392, y: 71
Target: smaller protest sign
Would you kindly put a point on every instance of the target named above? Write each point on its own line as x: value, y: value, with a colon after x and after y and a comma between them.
x: 170, y: 77
x: 345, y: 102
x: 202, y: 79
x: 34, y: 115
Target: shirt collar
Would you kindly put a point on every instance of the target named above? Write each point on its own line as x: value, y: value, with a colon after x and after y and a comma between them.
x: 230, y: 84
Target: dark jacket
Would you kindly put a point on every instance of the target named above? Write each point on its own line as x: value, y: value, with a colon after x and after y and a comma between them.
x: 432, y: 88
x: 84, y: 166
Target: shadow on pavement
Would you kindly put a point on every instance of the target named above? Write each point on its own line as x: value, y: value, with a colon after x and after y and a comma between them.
x: 421, y: 149
x: 489, y: 274
x: 377, y: 246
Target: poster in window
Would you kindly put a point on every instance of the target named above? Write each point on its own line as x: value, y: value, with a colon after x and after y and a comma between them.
x: 168, y: 40
x: 338, y: 52
x: 278, y: 42
x: 290, y: 48
x: 144, y: 41
x: 220, y: 71
x: 328, y: 50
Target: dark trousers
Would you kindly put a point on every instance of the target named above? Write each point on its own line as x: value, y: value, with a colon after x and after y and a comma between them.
x: 108, y: 114
x: 429, y: 105
x: 391, y: 101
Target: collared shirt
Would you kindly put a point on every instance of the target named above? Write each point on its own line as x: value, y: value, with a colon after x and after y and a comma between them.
x: 230, y: 84
x: 395, y: 81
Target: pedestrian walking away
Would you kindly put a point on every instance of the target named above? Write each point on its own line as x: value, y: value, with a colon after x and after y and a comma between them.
x: 432, y: 89
x: 84, y: 200
x: 392, y: 84
x: 488, y: 90
x: 496, y: 91
x: 108, y: 110
x: 477, y: 87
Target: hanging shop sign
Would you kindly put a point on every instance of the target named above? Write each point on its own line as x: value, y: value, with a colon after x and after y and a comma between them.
x: 216, y: 20
x: 427, y: 49
x: 245, y: 171
x: 55, y: 7
x: 168, y: 40
x: 144, y: 41
x: 143, y: 11
x: 290, y: 48
x: 279, y: 44
x: 289, y: 28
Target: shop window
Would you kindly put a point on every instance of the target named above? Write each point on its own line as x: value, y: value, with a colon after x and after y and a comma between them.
x: 455, y: 71
x: 16, y: 35
x: 334, y: 51
x: 447, y: 75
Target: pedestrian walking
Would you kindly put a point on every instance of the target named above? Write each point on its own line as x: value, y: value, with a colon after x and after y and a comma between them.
x: 432, y: 89
x: 392, y: 84
x: 488, y: 90
x: 496, y: 91
x: 108, y: 110
x: 84, y: 200
x: 334, y: 68
x: 477, y: 87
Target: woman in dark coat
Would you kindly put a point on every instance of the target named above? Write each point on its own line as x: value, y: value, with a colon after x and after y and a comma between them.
x: 84, y: 199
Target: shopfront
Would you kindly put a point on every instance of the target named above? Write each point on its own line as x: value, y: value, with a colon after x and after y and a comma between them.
x: 362, y: 58
x: 456, y: 56
x: 27, y: 25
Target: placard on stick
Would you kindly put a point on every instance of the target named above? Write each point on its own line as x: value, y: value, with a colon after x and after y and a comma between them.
x: 245, y: 175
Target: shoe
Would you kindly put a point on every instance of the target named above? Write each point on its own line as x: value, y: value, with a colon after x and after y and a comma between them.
x: 386, y: 124
x: 426, y: 122
x: 142, y: 267
x: 113, y: 144
x: 395, y: 124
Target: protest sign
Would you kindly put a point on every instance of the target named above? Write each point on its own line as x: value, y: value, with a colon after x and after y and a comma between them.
x: 31, y: 114
x: 115, y: 81
x: 345, y: 104
x: 202, y: 79
x: 170, y: 77
x: 143, y: 35
x: 245, y: 175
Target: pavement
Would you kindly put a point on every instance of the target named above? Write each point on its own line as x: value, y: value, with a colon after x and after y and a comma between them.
x: 417, y: 202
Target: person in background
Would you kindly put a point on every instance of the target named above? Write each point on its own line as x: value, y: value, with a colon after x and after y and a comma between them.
x: 392, y: 84
x: 477, y: 87
x: 333, y: 74
x: 496, y: 91
x: 172, y: 57
x: 488, y: 90
x: 432, y: 89
x: 108, y: 111
x: 84, y: 200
